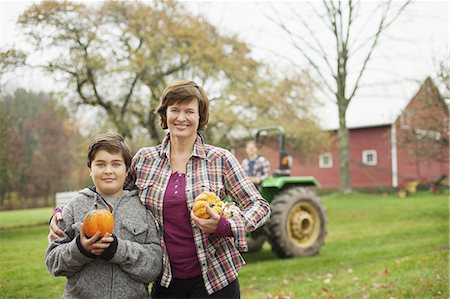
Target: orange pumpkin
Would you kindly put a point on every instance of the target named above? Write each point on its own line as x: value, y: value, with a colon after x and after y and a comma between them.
x: 98, y: 220
x: 199, y: 209
x: 204, y: 199
x: 209, y: 197
x: 218, y: 209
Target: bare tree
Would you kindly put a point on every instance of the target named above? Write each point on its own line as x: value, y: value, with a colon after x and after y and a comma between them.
x: 339, y: 71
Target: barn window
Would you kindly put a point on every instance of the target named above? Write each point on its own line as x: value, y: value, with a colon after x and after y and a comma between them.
x: 405, y: 121
x: 369, y: 157
x: 430, y: 134
x: 325, y: 160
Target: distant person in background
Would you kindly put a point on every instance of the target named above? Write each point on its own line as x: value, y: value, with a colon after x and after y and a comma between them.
x: 256, y: 166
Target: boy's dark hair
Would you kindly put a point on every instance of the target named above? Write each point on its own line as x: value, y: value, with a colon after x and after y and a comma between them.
x: 184, y: 91
x: 112, y: 143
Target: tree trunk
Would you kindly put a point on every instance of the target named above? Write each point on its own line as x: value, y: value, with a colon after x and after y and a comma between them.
x: 344, y: 157
x: 152, y: 128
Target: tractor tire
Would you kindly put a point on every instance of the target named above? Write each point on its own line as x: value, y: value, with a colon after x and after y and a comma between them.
x: 256, y: 240
x: 298, y: 223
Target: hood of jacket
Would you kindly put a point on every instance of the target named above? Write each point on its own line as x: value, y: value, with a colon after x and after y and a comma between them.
x: 92, y: 193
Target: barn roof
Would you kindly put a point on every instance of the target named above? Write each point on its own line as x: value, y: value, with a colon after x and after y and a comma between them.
x: 370, y: 111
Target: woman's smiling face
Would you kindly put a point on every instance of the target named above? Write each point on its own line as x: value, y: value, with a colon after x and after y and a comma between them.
x: 183, y: 119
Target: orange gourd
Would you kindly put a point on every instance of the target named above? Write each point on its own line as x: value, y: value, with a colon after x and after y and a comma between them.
x: 199, y: 209
x: 204, y: 199
x: 209, y: 197
x: 98, y: 220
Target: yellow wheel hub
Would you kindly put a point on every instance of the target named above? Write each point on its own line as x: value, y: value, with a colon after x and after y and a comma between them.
x: 303, y: 224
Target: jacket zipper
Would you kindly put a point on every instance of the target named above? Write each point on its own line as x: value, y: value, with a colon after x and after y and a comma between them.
x: 112, y: 281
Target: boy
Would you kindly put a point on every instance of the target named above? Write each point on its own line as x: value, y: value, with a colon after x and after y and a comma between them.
x: 121, y: 264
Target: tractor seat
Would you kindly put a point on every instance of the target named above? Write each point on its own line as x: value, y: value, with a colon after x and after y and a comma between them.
x: 281, y: 172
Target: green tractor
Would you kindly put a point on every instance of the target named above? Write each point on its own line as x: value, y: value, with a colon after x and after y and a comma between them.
x: 298, y: 223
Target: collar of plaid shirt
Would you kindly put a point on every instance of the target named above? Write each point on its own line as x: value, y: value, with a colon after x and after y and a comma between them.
x: 199, y: 149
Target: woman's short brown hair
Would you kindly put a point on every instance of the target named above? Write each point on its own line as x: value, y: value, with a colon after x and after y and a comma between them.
x: 112, y: 143
x: 180, y: 92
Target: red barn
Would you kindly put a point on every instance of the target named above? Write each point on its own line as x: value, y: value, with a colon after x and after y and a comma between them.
x: 415, y: 145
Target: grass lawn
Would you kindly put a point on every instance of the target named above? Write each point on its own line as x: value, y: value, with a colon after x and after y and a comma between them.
x: 24, y: 218
x: 377, y: 247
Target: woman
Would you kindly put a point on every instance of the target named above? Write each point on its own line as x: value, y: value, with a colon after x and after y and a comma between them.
x: 201, y: 257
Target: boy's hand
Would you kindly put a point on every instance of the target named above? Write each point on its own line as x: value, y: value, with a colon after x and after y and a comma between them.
x: 208, y: 226
x: 102, y: 244
x: 95, y: 244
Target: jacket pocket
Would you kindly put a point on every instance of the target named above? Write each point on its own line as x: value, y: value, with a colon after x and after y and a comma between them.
x: 134, y: 231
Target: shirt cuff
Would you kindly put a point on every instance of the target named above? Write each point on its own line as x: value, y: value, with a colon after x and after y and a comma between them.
x: 82, y: 250
x: 109, y: 252
x: 223, y: 228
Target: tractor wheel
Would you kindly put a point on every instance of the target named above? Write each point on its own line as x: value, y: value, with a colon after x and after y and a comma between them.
x: 298, y: 223
x: 256, y: 240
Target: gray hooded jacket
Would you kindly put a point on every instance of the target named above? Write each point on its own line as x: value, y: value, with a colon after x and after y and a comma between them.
x: 133, y: 261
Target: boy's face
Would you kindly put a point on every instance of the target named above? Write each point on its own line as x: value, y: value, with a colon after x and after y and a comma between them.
x: 108, y: 172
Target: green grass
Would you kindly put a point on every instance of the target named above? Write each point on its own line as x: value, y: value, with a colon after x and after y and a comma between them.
x: 376, y: 247
x: 24, y: 218
x: 23, y: 273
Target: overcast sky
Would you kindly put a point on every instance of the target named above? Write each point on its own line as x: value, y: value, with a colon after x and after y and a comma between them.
x: 406, y: 56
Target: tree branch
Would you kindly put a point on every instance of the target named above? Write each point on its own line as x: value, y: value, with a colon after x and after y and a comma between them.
x: 302, y: 51
x: 381, y: 27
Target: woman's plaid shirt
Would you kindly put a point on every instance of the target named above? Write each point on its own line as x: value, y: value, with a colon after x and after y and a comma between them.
x: 212, y: 169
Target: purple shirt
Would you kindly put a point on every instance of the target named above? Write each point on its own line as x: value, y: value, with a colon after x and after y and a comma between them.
x: 178, y: 234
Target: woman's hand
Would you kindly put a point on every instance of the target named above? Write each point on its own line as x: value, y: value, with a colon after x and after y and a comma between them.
x: 208, y: 226
x: 93, y: 244
x: 54, y: 231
